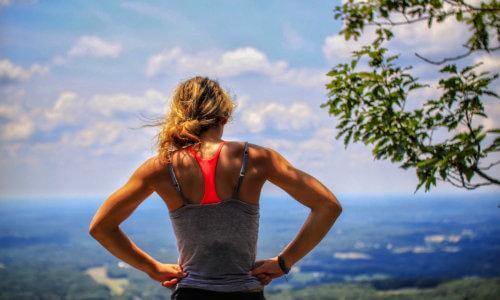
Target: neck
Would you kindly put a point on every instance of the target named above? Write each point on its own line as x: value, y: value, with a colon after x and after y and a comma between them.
x: 212, y: 135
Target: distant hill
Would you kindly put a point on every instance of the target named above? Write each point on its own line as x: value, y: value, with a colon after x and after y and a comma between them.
x: 466, y: 288
x: 406, y: 248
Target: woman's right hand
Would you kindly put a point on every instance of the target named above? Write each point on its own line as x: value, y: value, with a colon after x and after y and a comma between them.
x: 167, y: 274
x: 266, y: 270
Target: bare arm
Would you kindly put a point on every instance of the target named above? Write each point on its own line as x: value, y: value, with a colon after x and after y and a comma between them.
x: 105, y: 228
x: 307, y: 190
x: 325, y: 209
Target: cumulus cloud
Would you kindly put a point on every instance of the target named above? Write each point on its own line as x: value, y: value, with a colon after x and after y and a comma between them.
x: 19, y: 124
x: 319, y: 145
x: 9, y: 111
x: 440, y: 40
x: 437, y: 40
x: 152, y: 101
x: 336, y: 49
x: 295, y: 116
x: 18, y: 129
x: 245, y: 60
x: 101, y: 133
x: 96, y: 47
x: 67, y: 109
x: 10, y: 72
x: 90, y: 46
x: 97, y: 123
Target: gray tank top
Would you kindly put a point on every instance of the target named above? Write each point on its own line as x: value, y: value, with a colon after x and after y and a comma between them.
x: 217, y: 241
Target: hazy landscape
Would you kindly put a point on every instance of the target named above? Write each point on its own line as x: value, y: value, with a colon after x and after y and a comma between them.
x: 392, y: 247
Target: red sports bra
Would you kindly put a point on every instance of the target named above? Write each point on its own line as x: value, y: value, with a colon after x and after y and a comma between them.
x: 207, y: 167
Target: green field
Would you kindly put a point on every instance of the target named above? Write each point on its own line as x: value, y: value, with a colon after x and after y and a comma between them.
x: 467, y: 288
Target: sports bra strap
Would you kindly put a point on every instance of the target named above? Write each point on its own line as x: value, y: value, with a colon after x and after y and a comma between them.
x: 176, y: 182
x: 242, y: 171
x: 236, y: 189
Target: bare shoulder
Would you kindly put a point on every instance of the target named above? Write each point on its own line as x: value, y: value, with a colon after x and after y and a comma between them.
x: 150, y: 168
x: 275, y: 162
x: 273, y: 166
x: 256, y: 153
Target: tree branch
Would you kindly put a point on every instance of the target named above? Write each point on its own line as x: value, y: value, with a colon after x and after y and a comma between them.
x: 485, y: 176
x: 447, y: 59
x: 491, y: 165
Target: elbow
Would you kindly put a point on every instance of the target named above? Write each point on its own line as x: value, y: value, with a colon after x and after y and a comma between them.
x: 102, y: 230
x: 94, y: 231
x: 333, y: 207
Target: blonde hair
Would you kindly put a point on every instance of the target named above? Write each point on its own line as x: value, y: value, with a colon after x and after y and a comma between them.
x: 197, y: 104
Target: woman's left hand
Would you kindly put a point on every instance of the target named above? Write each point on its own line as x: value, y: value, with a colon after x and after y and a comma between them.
x: 168, y: 274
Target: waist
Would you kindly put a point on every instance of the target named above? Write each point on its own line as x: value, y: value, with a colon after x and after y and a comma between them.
x: 222, y: 283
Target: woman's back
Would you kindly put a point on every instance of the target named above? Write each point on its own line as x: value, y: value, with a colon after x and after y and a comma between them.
x: 229, y: 162
x: 217, y: 231
x: 214, y: 210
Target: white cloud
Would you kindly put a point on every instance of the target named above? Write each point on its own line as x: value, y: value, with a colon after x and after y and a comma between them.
x: 422, y: 249
x: 319, y: 145
x: 351, y: 255
x: 336, y: 49
x: 158, y: 62
x: 95, y: 47
x: 440, y: 40
x: 440, y: 238
x: 152, y: 101
x: 245, y: 60
x: 437, y: 40
x: 412, y: 249
x: 451, y: 238
x: 295, y: 116
x: 10, y: 72
x: 67, y: 109
x: 10, y: 111
x: 292, y: 38
x: 102, y: 133
x: 19, y: 124
x: 97, y: 123
x: 230, y: 63
x: 491, y: 63
x: 89, y: 46
x: 4, y: 3
x: 321, y: 141
x: 18, y: 129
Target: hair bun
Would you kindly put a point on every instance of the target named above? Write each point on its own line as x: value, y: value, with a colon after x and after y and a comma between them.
x: 197, y: 104
x: 191, y: 125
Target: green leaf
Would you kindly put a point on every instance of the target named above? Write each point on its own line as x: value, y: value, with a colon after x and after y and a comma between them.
x: 427, y: 162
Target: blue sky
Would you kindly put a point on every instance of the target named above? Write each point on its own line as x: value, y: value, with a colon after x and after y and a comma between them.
x: 75, y: 77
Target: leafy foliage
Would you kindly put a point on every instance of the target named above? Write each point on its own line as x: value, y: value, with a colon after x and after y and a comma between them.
x: 370, y: 104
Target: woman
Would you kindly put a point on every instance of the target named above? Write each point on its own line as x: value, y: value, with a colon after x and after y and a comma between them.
x: 212, y: 190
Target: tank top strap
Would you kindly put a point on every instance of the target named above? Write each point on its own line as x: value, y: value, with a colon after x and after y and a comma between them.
x: 242, y: 172
x: 175, y: 182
